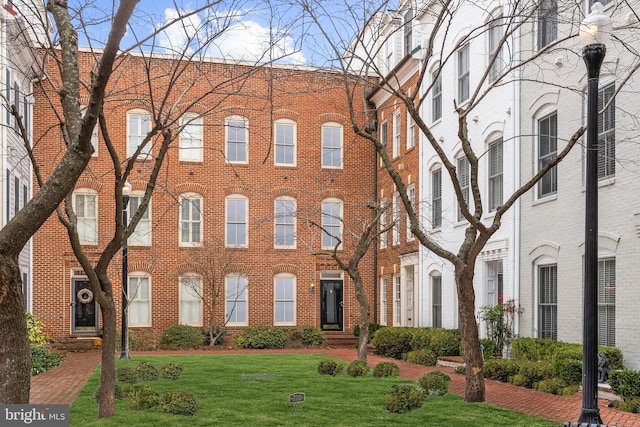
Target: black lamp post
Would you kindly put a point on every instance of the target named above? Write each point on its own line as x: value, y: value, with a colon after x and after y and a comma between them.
x: 124, y: 354
x: 595, y: 31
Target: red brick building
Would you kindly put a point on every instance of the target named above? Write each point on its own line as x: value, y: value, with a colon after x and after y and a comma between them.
x: 265, y: 155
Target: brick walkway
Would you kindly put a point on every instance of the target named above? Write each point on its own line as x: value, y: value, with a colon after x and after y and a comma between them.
x: 62, y: 385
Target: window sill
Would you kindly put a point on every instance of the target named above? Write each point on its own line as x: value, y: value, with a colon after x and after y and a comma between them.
x: 545, y: 199
x: 190, y: 162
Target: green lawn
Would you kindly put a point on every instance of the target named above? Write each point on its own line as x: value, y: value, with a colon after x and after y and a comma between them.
x: 225, y: 398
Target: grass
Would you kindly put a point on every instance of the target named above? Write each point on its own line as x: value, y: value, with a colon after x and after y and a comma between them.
x: 226, y: 399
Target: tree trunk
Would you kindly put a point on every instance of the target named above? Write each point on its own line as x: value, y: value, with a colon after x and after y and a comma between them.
x: 108, y: 367
x: 15, y: 354
x: 363, y: 339
x: 474, y: 391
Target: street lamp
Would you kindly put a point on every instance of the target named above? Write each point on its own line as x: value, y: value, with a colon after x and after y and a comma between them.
x: 124, y: 354
x: 595, y: 31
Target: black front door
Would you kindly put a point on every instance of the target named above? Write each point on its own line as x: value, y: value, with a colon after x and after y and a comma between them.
x: 331, y: 305
x: 84, y: 309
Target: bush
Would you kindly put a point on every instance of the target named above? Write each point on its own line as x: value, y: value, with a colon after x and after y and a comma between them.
x: 307, y: 336
x: 530, y: 373
x: 139, y: 340
x: 423, y: 357
x: 393, y: 342
x: 461, y: 370
x: 445, y: 342
x: 217, y: 332
x: 261, y: 337
x: 373, y: 328
x: 142, y: 396
x: 171, y: 371
x: 146, y: 372
x: 533, y: 349
x: 329, y: 367
x: 614, y: 355
x: 358, y: 368
x: 568, y: 370
x: 489, y: 348
x: 34, y: 329
x: 179, y: 403
x: 500, y: 369
x: 551, y: 385
x: 181, y: 337
x: 435, y: 383
x: 625, y: 383
x: 404, y: 398
x: 42, y: 359
x: 126, y: 374
x: 632, y: 405
x: 386, y: 369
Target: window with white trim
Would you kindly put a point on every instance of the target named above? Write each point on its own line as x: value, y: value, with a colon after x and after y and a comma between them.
x: 285, y: 142
x: 395, y: 212
x: 190, y: 219
x: 464, y: 179
x: 397, y: 300
x: 138, y: 126
x: 607, y: 132
x: 547, y: 22
x: 383, y: 139
x: 495, y: 35
x: 436, y: 301
x: 284, y: 303
x: 396, y: 133
x: 436, y: 198
x: 331, y: 223
x: 383, y: 223
x: 383, y: 300
x: 190, y: 143
x: 237, y: 139
x: 94, y: 133
x: 463, y: 74
x: 85, y: 205
x: 408, y: 31
x: 411, y: 131
x: 191, y: 299
x: 411, y: 194
x: 236, y: 220
x: 495, y: 175
x: 332, y: 145
x: 285, y: 222
x: 141, y: 236
x: 436, y: 96
x: 139, y: 300
x: 548, y: 301
x: 236, y: 300
x: 547, y: 151
x: 607, y: 302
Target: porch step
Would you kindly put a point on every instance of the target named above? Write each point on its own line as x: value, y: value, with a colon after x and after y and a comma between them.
x: 450, y: 361
x: 79, y: 344
x: 335, y: 340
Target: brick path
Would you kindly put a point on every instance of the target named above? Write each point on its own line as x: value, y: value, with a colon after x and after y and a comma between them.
x: 62, y: 385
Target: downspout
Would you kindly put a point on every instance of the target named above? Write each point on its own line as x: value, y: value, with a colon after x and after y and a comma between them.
x: 516, y: 184
x: 375, y: 243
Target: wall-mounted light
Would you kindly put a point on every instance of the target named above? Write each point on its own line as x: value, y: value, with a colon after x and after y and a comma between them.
x: 312, y: 287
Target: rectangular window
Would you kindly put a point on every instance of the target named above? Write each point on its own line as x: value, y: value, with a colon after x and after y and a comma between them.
x: 607, y: 132
x: 408, y: 31
x: 547, y: 22
x: 7, y: 95
x: 16, y: 102
x: 383, y: 223
x: 495, y: 35
x: 547, y: 150
x: 464, y: 179
x: 25, y: 195
x: 236, y: 301
x: 16, y: 195
x: 607, y: 302
x: 548, y: 301
x: 495, y: 175
x: 463, y: 74
x: 411, y: 194
x: 236, y: 221
x: 383, y: 139
x: 436, y: 198
x: 142, y: 234
x: 190, y: 142
x: 331, y: 224
x: 139, y: 127
x: 411, y: 132
x: 191, y: 300
x: 85, y: 209
x: 383, y: 300
x: 397, y: 301
x: 190, y: 220
x: 395, y: 231
x: 436, y: 96
x: 436, y: 301
x: 396, y: 134
x: 139, y: 308
x: 285, y: 223
x: 331, y: 146
x: 285, y: 144
x: 285, y: 300
x: 237, y: 150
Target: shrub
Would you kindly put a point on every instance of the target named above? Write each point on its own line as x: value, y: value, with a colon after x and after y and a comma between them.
x: 126, y: 374
x: 171, y: 371
x: 358, y: 368
x: 530, y: 373
x: 489, y: 348
x: 261, y: 337
x: 435, y: 383
x: 143, y: 396
x: 500, y: 369
x: 146, y: 372
x: 404, y: 398
x: 461, y: 370
x: 392, y: 342
x: 34, y: 329
x: 179, y: 403
x: 217, y: 332
x: 329, y: 367
x: 307, y: 336
x: 386, y: 369
x: 445, y: 342
x: 632, y: 405
x: 373, y: 328
x: 421, y: 338
x: 142, y: 340
x: 568, y: 370
x: 533, y: 349
x: 614, y: 355
x: 625, y: 383
x: 569, y: 390
x: 42, y: 359
x: 424, y: 357
x: 551, y: 385
x: 181, y: 337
